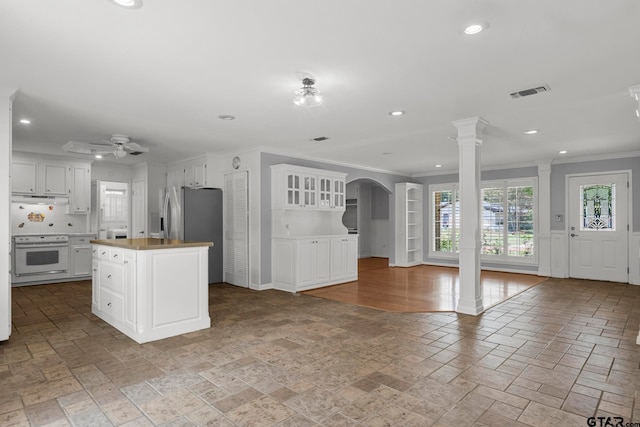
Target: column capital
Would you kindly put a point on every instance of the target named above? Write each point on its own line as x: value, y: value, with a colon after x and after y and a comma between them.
x: 544, y: 166
x: 470, y: 128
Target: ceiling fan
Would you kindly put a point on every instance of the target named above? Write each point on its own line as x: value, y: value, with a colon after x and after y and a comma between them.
x: 118, y: 145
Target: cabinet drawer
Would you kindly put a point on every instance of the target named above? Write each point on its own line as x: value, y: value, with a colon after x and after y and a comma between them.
x: 115, y: 255
x: 101, y: 252
x: 112, y: 277
x: 80, y: 240
x: 112, y: 305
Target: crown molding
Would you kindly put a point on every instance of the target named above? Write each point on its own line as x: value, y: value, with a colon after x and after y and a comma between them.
x: 280, y: 152
x: 596, y: 157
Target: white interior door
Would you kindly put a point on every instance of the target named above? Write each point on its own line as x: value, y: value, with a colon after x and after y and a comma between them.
x: 138, y: 213
x: 598, y: 227
x: 236, y: 236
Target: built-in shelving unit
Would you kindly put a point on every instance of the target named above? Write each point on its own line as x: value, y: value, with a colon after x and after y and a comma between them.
x: 409, y: 232
x: 310, y: 244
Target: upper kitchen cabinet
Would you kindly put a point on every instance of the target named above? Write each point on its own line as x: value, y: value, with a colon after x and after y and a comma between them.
x: 297, y: 187
x: 200, y: 172
x: 24, y: 176
x: 39, y: 177
x: 80, y: 191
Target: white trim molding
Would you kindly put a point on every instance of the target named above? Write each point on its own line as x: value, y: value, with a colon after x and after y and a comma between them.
x: 634, y: 258
x: 559, y: 254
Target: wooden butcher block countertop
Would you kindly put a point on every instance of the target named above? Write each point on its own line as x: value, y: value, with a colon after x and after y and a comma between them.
x: 142, y: 244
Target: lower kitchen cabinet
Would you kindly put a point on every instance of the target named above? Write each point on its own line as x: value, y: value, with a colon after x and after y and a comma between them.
x: 306, y: 263
x: 151, y: 294
x: 80, y: 256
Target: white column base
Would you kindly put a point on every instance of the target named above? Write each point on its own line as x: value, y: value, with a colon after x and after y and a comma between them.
x: 544, y: 256
x: 470, y: 300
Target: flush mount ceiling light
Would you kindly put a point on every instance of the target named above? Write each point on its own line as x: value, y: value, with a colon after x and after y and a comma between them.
x: 476, y: 28
x: 396, y: 113
x: 226, y: 117
x: 438, y: 166
x: 562, y: 152
x: 531, y: 131
x: 307, y: 95
x: 25, y: 121
x: 129, y: 4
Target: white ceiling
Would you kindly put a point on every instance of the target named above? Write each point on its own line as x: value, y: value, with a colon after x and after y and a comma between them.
x: 163, y: 73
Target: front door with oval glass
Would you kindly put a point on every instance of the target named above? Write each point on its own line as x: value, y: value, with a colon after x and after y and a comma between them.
x: 598, y: 227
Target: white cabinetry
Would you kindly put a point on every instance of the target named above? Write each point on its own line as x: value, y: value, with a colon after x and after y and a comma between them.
x: 38, y: 177
x: 313, y: 262
x: 24, y: 176
x: 344, y: 258
x: 307, y: 263
x: 409, y: 235
x: 153, y: 293
x: 297, y: 187
x: 80, y: 256
x: 310, y: 244
x: 80, y: 191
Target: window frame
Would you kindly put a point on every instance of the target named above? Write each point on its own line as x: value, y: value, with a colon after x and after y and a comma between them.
x: 503, y: 258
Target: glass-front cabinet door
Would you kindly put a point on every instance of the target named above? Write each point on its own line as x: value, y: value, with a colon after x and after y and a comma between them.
x: 338, y: 194
x: 309, y: 191
x: 293, y: 190
x: 325, y: 193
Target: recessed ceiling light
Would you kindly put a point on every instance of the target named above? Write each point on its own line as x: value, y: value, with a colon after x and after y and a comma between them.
x: 438, y: 166
x: 563, y: 152
x: 474, y: 29
x: 396, y: 113
x: 531, y: 131
x: 386, y: 153
x: 25, y: 121
x: 226, y: 117
x: 98, y: 156
x: 129, y: 4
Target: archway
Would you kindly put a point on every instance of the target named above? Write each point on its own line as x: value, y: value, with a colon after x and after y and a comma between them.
x: 367, y: 214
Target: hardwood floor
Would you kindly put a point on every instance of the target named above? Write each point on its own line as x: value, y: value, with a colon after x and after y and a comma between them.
x: 420, y: 288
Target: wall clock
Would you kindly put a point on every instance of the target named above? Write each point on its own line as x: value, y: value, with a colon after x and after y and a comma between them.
x: 235, y: 162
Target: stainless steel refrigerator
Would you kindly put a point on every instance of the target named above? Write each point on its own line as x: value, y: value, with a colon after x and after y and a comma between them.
x: 189, y: 214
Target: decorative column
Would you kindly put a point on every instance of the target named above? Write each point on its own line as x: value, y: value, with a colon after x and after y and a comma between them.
x: 470, y: 298
x: 543, y: 248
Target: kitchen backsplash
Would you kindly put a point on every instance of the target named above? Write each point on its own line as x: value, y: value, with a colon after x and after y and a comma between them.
x: 35, y: 218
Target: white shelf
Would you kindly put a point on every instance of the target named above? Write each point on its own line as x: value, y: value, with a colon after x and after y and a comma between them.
x: 408, y: 224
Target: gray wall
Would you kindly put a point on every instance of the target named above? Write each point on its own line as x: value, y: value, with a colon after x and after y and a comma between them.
x: 558, y: 175
x: 267, y: 159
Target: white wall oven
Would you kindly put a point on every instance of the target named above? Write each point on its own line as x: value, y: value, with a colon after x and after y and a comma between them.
x: 40, y: 255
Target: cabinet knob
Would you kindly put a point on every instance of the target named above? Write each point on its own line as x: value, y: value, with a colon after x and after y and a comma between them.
x: 108, y: 304
x: 115, y: 255
x: 93, y: 251
x: 77, y: 250
x: 95, y: 269
x: 109, y: 277
x: 103, y: 253
x: 126, y: 262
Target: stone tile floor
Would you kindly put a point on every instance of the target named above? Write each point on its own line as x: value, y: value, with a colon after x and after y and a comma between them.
x: 555, y: 354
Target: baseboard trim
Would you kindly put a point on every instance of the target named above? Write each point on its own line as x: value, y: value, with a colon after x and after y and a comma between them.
x: 502, y: 270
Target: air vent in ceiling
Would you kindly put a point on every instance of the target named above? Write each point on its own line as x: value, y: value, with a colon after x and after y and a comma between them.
x: 531, y: 91
x: 320, y: 138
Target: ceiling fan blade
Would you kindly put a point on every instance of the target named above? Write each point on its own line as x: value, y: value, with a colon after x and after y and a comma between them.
x: 133, y: 146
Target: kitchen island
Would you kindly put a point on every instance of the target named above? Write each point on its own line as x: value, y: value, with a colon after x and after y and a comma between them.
x: 150, y: 288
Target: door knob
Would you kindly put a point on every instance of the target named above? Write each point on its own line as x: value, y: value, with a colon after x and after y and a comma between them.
x: 573, y: 235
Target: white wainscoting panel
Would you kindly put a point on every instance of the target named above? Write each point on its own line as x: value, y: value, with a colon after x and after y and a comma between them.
x: 559, y: 254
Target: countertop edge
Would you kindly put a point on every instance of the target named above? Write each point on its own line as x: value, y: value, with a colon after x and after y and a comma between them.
x: 144, y: 244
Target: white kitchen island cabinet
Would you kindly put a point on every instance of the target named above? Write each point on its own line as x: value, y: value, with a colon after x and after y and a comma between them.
x: 151, y: 289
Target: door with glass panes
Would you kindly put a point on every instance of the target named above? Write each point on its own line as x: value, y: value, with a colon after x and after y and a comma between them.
x: 598, y: 227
